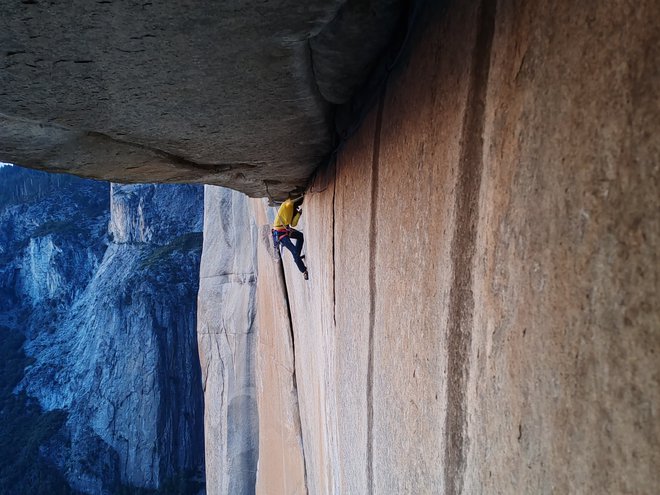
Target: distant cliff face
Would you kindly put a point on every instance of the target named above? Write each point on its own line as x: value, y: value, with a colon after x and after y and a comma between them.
x: 110, y: 321
x: 481, y: 312
x: 52, y: 239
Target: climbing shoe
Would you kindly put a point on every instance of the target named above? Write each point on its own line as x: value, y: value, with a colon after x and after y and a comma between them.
x: 305, y: 275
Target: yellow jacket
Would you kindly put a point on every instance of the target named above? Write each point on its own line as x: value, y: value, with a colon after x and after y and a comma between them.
x: 286, y: 216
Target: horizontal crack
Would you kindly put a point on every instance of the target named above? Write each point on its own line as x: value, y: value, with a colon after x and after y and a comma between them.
x: 177, y: 160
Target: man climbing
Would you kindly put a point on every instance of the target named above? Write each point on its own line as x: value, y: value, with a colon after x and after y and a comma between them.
x: 287, y: 217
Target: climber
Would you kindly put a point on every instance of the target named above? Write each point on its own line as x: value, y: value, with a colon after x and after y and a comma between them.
x: 287, y: 217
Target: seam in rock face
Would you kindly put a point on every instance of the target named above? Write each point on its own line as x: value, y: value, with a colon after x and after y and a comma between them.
x: 310, y: 48
x: 288, y: 314
x: 312, y: 69
x: 293, y: 363
x: 233, y: 278
x: 206, y: 373
x: 175, y: 160
x: 334, y: 243
x: 372, y: 290
x: 463, y: 247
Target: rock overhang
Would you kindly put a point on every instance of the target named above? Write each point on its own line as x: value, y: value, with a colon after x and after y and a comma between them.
x: 239, y: 94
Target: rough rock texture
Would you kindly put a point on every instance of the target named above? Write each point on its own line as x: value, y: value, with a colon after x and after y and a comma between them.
x: 481, y: 314
x: 224, y: 93
x: 227, y: 342
x: 253, y: 432
x: 281, y: 468
x: 566, y: 321
x: 358, y: 24
x: 110, y: 327
x: 49, y: 249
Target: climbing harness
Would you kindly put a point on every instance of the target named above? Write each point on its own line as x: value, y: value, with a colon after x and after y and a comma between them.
x: 279, y: 234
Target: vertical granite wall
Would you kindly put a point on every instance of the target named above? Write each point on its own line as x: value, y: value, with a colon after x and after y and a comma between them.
x: 481, y: 311
x: 480, y: 315
x: 281, y: 467
x: 227, y: 342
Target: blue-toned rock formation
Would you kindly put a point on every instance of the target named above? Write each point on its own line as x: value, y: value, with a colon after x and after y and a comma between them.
x: 106, y: 294
x: 481, y: 312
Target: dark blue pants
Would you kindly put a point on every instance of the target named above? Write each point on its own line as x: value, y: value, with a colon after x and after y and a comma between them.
x: 295, y: 249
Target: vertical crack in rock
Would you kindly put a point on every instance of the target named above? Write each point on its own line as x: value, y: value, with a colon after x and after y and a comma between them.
x: 293, y: 374
x: 461, y: 298
x: 208, y: 367
x: 334, y: 243
x: 290, y: 318
x: 372, y: 290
